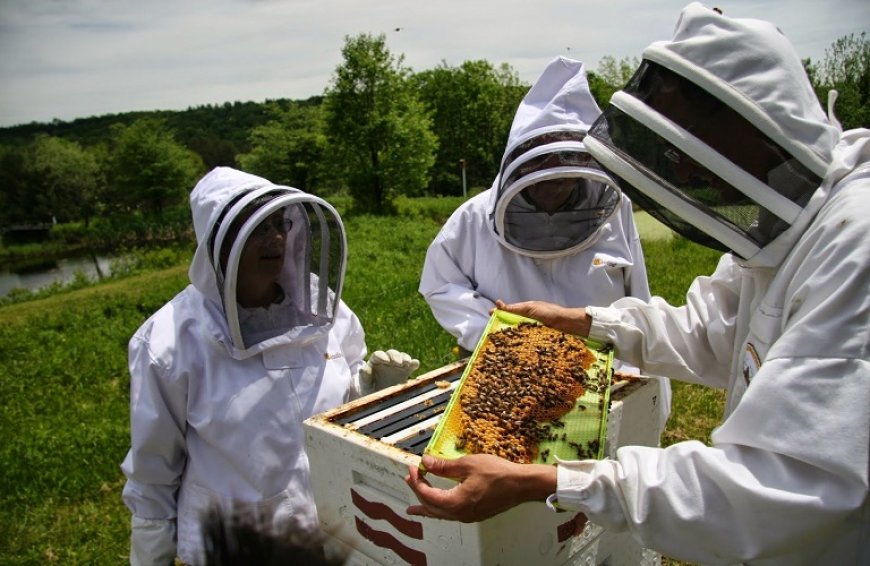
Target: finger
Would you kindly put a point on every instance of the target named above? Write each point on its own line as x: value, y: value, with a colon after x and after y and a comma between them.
x: 516, y: 308
x: 415, y: 475
x: 380, y: 357
x: 454, y: 469
x: 419, y: 510
x: 432, y: 464
x: 427, y: 511
x: 434, y: 499
x: 396, y: 357
x: 428, y: 495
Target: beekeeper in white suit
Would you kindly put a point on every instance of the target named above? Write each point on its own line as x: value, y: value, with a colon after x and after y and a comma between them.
x: 223, y: 375
x: 552, y: 227
x: 720, y: 133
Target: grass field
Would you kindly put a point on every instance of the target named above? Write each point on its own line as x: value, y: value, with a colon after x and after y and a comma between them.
x: 64, y: 383
x: 650, y: 228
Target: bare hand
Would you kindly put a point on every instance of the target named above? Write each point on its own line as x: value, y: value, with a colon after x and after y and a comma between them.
x: 488, y: 486
x: 571, y: 320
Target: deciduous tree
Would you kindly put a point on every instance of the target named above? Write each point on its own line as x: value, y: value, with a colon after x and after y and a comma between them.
x: 288, y: 148
x: 610, y: 75
x: 66, y: 178
x: 380, y: 136
x: 148, y: 170
x: 472, y: 109
x: 846, y: 68
x: 18, y: 204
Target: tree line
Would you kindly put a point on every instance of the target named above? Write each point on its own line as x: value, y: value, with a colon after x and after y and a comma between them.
x: 378, y: 131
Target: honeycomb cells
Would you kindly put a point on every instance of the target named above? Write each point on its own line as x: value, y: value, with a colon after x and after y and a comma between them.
x: 523, y: 380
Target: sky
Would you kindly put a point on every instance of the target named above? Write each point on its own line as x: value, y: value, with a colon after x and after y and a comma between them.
x: 68, y: 59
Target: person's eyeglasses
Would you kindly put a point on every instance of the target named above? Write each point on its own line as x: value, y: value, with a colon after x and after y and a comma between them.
x: 673, y: 155
x: 279, y: 224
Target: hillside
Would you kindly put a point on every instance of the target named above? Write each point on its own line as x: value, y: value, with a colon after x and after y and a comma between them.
x: 213, y: 131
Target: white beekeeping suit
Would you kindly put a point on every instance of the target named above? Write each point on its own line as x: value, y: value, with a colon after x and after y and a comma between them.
x: 500, y: 244
x: 219, y: 389
x: 720, y: 134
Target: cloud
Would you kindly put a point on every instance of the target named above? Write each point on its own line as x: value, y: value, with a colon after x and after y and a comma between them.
x: 77, y: 58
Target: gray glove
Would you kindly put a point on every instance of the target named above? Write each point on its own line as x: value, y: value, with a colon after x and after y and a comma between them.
x: 152, y: 541
x: 384, y: 369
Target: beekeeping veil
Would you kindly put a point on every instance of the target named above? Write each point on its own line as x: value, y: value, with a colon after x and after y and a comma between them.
x: 230, y: 208
x: 719, y: 135
x: 551, y: 198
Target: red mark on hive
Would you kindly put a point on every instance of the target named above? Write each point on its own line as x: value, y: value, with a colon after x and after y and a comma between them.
x: 572, y: 528
x: 388, y: 541
x: 376, y: 510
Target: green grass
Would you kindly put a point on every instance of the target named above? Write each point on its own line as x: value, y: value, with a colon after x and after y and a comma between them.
x: 64, y: 382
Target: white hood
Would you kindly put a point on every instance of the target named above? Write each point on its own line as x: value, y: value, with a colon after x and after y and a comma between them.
x: 559, y: 100
x: 721, y: 54
x: 545, y: 144
x: 207, y: 200
x: 313, y: 266
x: 752, y: 70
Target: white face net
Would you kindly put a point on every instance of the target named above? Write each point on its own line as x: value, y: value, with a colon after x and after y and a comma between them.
x: 280, y: 265
x: 697, y: 165
x: 552, y: 198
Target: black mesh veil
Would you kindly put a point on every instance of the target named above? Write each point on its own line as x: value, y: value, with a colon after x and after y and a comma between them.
x: 552, y: 197
x: 290, y: 237
x: 687, y: 148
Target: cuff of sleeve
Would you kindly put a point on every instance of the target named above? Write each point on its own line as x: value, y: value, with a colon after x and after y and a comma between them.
x: 572, y: 478
x: 602, y: 319
x: 553, y: 504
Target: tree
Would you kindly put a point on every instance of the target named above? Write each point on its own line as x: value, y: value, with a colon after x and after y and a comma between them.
x: 288, y: 149
x: 472, y: 109
x: 148, y: 170
x: 66, y: 178
x: 379, y: 133
x: 846, y: 68
x: 18, y: 204
x: 214, y: 151
x: 610, y: 76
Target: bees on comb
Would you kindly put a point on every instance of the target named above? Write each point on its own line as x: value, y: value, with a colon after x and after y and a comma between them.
x: 523, y: 380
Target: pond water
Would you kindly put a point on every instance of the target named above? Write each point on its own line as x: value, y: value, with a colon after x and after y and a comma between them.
x: 62, y: 271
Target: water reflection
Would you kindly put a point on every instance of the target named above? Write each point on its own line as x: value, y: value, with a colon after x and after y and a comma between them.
x: 62, y: 271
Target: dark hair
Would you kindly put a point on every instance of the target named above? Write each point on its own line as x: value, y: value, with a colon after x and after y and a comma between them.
x: 240, y: 539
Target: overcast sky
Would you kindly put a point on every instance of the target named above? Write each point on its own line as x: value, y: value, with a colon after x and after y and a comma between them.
x: 70, y: 59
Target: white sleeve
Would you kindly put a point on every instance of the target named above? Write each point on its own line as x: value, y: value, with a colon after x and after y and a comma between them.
x: 787, y: 474
x: 451, y: 294
x: 152, y: 542
x: 693, y: 343
x: 709, y: 505
x: 158, y: 452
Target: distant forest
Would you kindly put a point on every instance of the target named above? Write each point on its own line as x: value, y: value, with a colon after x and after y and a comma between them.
x: 379, y: 131
x: 216, y: 132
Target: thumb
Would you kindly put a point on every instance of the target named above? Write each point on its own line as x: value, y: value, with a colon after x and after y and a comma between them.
x: 525, y: 308
x: 365, y: 373
x: 445, y: 468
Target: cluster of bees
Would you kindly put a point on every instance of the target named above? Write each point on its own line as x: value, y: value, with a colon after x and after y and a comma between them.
x: 523, y: 380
